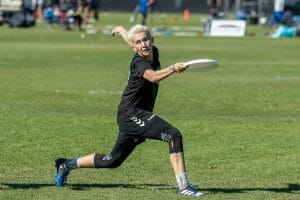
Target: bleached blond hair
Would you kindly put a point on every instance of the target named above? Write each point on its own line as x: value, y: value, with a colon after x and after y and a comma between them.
x: 137, y: 29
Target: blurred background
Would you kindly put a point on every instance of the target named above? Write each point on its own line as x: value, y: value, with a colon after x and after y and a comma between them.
x: 82, y: 14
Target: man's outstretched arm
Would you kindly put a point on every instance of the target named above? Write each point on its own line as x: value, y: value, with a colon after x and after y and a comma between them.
x: 122, y: 31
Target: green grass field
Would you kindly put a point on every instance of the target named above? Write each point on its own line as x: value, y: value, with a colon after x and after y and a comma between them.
x: 59, y: 96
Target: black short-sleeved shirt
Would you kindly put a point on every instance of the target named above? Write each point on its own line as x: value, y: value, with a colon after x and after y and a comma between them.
x: 139, y: 94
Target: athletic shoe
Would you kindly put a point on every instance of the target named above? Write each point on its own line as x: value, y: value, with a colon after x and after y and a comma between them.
x: 190, y: 191
x: 61, y: 172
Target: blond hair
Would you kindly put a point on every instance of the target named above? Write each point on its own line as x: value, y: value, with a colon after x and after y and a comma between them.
x: 137, y: 29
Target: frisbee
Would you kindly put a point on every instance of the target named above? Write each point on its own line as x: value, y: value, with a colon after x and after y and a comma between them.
x: 201, y: 65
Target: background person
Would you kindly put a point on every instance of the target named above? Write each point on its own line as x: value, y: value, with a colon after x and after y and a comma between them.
x: 278, y: 10
x: 214, y: 7
x: 91, y: 11
x: 143, y: 7
x: 286, y: 27
x: 38, y: 9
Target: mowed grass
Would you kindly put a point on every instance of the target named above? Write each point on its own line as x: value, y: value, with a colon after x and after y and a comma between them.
x: 59, y: 96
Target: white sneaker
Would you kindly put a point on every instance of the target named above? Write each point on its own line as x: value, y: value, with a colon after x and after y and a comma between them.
x: 190, y: 191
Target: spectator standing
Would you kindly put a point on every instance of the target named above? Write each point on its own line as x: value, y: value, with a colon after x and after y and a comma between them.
x: 278, y: 10
x: 214, y: 7
x: 143, y: 7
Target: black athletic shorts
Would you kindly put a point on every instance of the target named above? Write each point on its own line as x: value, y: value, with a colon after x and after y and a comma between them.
x: 144, y: 125
x: 133, y: 132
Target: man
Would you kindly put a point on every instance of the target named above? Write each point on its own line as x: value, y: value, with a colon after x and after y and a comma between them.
x: 214, y: 7
x: 142, y: 7
x: 278, y: 10
x: 135, y: 118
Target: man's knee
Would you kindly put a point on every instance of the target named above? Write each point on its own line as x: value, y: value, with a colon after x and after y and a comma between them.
x: 174, y: 138
x: 106, y: 161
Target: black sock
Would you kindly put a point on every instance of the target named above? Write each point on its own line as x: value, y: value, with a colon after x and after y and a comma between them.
x: 71, y: 164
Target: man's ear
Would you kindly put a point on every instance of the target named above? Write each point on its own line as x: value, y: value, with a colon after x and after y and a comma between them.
x: 152, y: 40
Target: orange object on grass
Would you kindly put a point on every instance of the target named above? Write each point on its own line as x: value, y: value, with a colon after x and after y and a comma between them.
x: 186, y: 14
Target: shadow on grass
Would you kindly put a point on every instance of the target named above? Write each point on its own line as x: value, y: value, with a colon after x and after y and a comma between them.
x: 291, y: 188
x: 11, y: 186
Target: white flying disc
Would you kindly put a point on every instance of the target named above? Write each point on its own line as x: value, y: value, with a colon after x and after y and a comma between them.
x: 201, y: 65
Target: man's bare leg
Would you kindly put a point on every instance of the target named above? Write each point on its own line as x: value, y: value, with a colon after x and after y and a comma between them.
x: 86, y: 161
x: 177, y: 161
x: 178, y: 165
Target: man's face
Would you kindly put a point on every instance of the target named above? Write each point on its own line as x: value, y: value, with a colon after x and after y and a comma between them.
x: 142, y: 44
